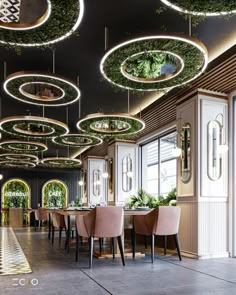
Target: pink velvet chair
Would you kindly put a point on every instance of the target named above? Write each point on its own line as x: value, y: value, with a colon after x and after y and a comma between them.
x: 162, y: 221
x: 40, y: 216
x: 58, y: 222
x: 101, y: 222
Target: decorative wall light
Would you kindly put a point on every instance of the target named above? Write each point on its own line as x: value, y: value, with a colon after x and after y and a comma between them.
x: 97, y: 182
x: 186, y: 153
x: 61, y: 20
x: 32, y: 126
x: 18, y: 146
x: 19, y: 158
x: 78, y: 140
x: 111, y: 124
x: 216, y: 146
x: 202, y: 8
x: 127, y: 174
x: 173, y: 60
x: 110, y: 173
x: 41, y: 89
x: 62, y: 162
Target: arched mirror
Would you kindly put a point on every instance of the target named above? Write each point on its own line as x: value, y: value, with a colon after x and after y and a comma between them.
x: 214, y: 165
x: 186, y: 153
x: 127, y: 174
x: 97, y: 176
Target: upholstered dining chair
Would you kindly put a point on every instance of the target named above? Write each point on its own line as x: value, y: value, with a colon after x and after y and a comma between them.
x: 101, y: 222
x: 39, y: 217
x: 162, y: 221
x: 58, y: 222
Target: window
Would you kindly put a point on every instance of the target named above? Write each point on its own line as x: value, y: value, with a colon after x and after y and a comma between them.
x: 159, y: 166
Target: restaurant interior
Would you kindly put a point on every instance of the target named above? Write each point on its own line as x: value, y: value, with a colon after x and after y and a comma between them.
x: 117, y: 147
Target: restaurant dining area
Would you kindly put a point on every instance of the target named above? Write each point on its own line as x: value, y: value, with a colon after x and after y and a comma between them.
x: 117, y: 147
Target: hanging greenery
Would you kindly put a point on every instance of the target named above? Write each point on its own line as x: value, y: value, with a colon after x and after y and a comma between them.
x: 78, y: 140
x: 64, y: 19
x: 60, y: 163
x: 18, y: 146
x: 13, y: 87
x: 191, y: 51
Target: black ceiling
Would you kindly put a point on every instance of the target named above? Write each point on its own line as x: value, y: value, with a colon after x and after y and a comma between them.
x: 81, y: 55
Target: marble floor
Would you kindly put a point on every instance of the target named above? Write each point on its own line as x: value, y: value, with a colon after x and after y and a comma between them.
x: 56, y: 272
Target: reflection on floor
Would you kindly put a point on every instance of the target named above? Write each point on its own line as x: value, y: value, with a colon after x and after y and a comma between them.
x: 55, y: 272
x: 12, y: 258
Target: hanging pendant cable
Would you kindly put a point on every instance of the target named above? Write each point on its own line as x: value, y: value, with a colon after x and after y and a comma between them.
x: 54, y: 61
x: 67, y: 116
x: 190, y: 25
x: 128, y: 101
x: 68, y: 151
x: 57, y: 153
x: 106, y: 38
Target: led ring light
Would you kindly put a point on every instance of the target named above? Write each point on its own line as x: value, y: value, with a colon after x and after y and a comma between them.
x: 15, y: 85
x: 190, y: 52
x: 18, y: 158
x: 78, y: 140
x: 111, y: 124
x: 32, y: 126
x: 184, y: 7
x: 18, y: 146
x: 55, y: 27
x: 17, y: 164
x: 61, y: 162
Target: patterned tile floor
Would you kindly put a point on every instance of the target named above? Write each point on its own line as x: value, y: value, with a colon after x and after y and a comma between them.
x: 12, y: 258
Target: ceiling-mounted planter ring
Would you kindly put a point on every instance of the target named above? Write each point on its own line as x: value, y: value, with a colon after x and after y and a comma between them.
x: 18, y: 146
x: 78, y: 140
x: 33, y: 127
x: 18, y: 158
x: 64, y: 19
x: 191, y: 53
x: 17, y: 164
x: 60, y: 162
x: 111, y: 124
x: 203, y: 8
x: 16, y: 26
x: 41, y: 89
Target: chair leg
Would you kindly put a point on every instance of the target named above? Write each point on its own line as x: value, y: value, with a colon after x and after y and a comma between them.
x: 113, y: 247
x: 145, y: 242
x: 121, y: 249
x: 91, y: 240
x: 153, y: 247
x: 60, y: 232
x: 165, y: 244
x: 133, y: 241
x: 77, y: 246
x: 100, y: 245
x: 177, y: 246
x: 53, y: 230
x: 35, y: 224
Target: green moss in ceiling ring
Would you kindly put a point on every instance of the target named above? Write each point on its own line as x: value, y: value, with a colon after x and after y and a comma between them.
x: 64, y: 18
x: 204, y: 7
x: 9, y: 124
x: 15, y: 81
x: 22, y: 146
x: 77, y: 140
x: 60, y: 163
x: 135, y: 125
x: 18, y: 157
x: 192, y: 52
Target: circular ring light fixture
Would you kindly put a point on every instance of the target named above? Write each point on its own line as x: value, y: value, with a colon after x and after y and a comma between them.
x: 189, y: 60
x: 41, y: 89
x: 111, y: 124
x: 18, y: 146
x: 18, y: 158
x: 61, y: 162
x: 17, y: 164
x: 32, y: 126
x: 63, y: 19
x: 15, y: 26
x: 202, y: 8
x: 78, y: 140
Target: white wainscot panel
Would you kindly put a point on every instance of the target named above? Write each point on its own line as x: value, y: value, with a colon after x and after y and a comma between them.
x: 95, y: 194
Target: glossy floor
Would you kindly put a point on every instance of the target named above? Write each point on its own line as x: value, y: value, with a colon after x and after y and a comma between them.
x: 56, y: 272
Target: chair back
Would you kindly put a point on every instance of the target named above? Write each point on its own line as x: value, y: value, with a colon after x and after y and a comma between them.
x: 58, y: 220
x: 40, y: 214
x: 72, y: 221
x: 108, y: 221
x: 167, y: 221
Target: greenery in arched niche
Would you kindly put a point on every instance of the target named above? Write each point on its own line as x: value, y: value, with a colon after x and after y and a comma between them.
x: 54, y: 194
x: 16, y: 194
